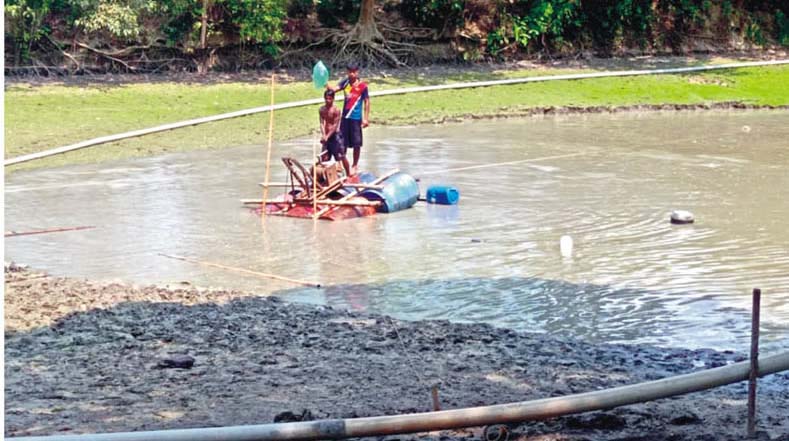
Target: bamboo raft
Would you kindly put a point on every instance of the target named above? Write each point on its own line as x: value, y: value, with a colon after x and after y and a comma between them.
x: 322, y: 192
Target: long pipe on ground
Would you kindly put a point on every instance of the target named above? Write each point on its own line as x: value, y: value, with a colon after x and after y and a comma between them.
x: 467, y: 85
x: 454, y: 419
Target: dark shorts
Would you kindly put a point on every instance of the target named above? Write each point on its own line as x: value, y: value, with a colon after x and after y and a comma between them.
x: 352, y: 132
x: 336, y: 147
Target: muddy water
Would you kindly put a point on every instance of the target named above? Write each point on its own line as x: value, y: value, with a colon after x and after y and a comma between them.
x: 607, y: 181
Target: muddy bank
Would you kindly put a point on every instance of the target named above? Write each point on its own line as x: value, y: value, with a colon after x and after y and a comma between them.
x: 84, y: 357
x: 581, y: 110
x: 431, y: 74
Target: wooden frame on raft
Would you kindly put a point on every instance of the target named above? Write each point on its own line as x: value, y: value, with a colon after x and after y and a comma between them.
x: 317, y: 194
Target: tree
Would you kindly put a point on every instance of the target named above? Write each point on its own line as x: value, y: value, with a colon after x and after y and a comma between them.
x: 365, y: 42
x: 25, y: 25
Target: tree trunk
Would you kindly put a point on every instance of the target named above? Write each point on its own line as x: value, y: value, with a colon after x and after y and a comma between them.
x: 364, y: 42
x: 366, y: 24
x: 204, y: 25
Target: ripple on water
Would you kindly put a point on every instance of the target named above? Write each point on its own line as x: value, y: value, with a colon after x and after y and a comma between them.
x: 607, y: 181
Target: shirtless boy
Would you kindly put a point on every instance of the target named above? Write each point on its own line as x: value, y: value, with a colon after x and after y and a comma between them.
x: 331, y: 139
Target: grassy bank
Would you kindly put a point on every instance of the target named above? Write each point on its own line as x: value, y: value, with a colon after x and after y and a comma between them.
x: 45, y: 116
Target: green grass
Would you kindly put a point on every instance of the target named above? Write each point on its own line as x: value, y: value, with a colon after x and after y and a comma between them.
x: 42, y: 117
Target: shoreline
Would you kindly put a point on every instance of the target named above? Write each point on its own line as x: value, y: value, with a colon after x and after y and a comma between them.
x: 599, y: 110
x: 546, y: 111
x: 84, y: 356
x: 43, y: 117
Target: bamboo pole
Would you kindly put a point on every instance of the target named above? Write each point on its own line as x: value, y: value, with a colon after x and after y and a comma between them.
x: 757, y: 298
x: 48, y: 230
x: 364, y: 203
x: 355, y: 192
x: 434, y: 395
x: 457, y: 418
x: 243, y: 270
x: 287, y: 185
x: 268, y: 152
x: 314, y: 183
x: 21, y: 281
x: 332, y: 202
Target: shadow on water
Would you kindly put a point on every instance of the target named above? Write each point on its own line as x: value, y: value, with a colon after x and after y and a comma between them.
x: 589, y: 312
x: 256, y: 358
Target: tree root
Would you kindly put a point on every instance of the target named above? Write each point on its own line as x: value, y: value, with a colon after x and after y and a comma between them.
x: 106, y: 55
x: 410, y: 32
x: 77, y: 65
x: 366, y: 44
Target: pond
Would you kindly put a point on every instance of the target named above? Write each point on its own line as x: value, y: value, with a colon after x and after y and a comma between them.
x: 608, y: 181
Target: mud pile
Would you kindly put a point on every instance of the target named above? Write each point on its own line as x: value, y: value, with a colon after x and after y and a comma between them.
x: 84, y: 357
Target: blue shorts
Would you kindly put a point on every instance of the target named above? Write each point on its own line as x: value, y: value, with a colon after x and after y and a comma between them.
x: 352, y: 132
x: 336, y: 147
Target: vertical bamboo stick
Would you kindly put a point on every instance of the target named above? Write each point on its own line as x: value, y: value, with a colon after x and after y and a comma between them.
x: 314, y: 183
x: 754, y: 373
x: 268, y: 153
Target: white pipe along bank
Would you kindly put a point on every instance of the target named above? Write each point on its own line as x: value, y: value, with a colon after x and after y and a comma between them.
x: 207, y: 119
x: 454, y: 419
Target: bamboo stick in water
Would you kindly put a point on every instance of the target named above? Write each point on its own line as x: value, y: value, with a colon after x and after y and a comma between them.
x: 243, y: 270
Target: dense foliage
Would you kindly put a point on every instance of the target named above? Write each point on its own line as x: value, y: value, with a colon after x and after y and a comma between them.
x: 60, y: 32
x: 508, y: 27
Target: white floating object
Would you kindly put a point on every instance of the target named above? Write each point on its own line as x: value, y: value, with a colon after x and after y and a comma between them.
x: 746, y: 129
x: 566, y: 246
x: 682, y: 217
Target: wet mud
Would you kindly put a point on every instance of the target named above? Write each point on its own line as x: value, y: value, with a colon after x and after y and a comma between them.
x: 83, y: 356
x: 581, y: 110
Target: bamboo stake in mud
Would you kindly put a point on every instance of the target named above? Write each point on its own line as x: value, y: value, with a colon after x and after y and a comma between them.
x: 48, y: 230
x: 243, y: 270
x: 268, y: 152
x: 436, y: 403
x: 753, y: 375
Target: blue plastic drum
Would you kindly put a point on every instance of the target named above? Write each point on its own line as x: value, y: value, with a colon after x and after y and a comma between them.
x: 400, y: 192
x: 442, y: 194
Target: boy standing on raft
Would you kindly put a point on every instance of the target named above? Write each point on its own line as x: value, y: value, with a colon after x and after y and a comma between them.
x: 356, y: 95
x: 331, y: 139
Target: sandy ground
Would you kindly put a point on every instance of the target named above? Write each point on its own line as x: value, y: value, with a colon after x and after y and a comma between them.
x: 83, y: 356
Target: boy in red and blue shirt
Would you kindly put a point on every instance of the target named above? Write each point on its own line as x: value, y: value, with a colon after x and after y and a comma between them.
x: 353, y: 119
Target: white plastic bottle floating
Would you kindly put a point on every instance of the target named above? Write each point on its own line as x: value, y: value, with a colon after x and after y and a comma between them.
x: 566, y: 246
x: 682, y: 217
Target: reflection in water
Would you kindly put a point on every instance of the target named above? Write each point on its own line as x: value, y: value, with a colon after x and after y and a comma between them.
x: 607, y: 181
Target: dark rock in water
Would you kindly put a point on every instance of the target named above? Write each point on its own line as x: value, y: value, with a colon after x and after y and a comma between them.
x: 177, y: 361
x: 599, y: 421
x: 685, y: 418
x: 682, y: 217
x: 290, y: 417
